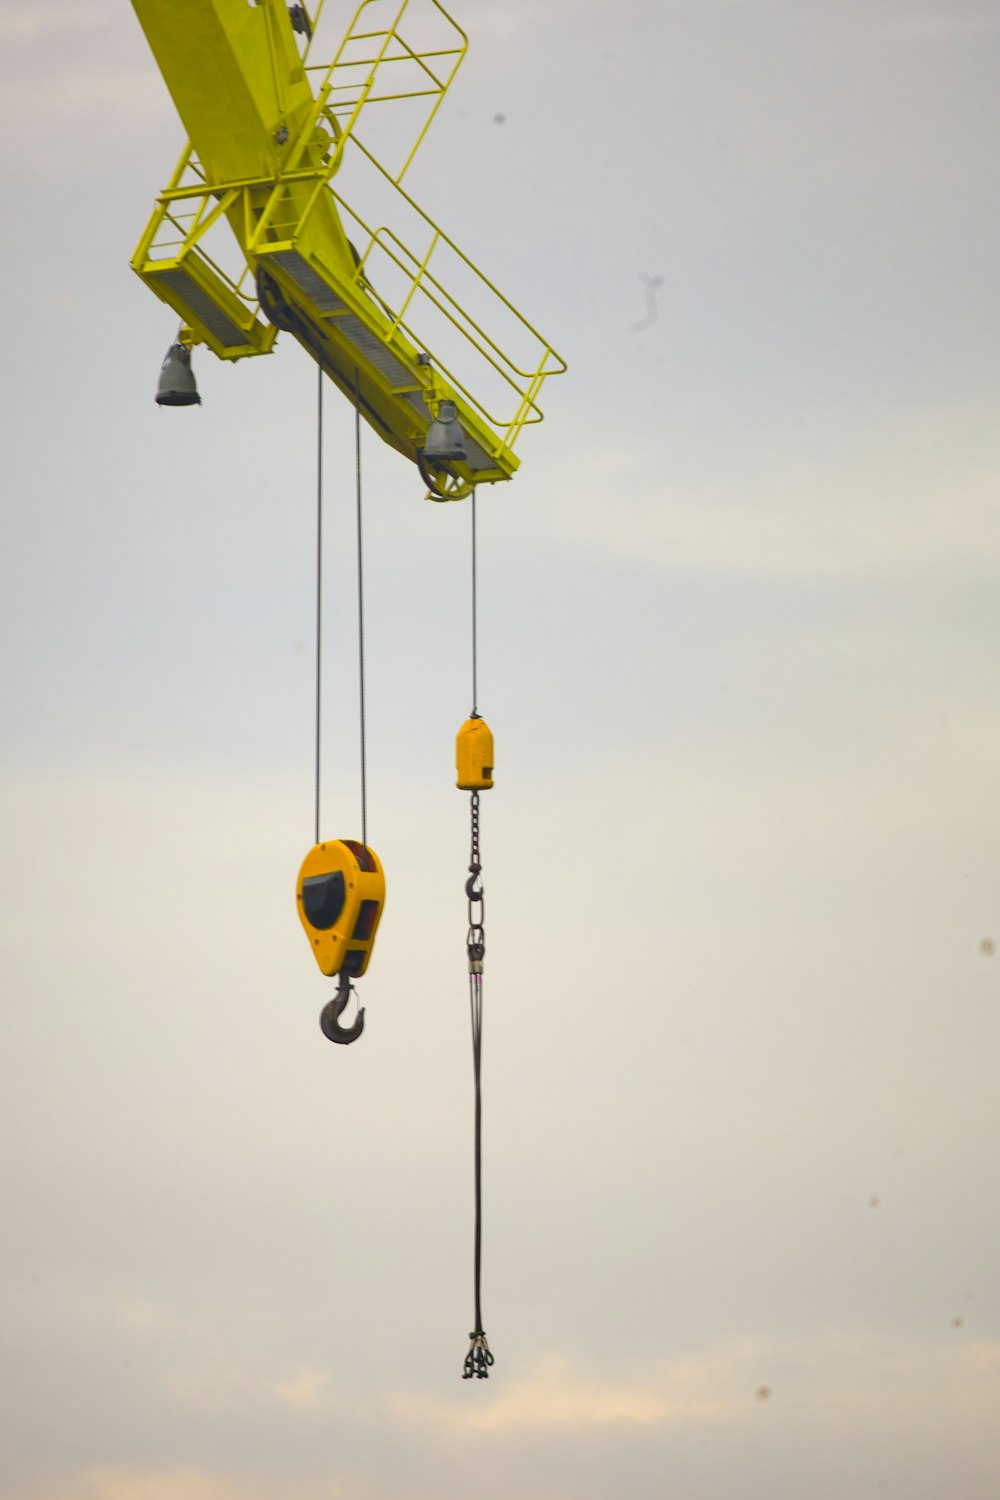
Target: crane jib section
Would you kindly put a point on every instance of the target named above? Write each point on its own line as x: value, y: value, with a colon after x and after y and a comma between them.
x: 287, y: 213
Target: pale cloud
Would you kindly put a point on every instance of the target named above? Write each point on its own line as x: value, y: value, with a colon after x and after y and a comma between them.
x: 218, y: 1382
x: 117, y: 114
x: 310, y: 1391
x: 153, y: 1320
x: 492, y: 23
x: 104, y: 99
x: 558, y: 1395
x: 942, y: 25
x: 171, y: 1484
x: 864, y: 1388
x: 177, y: 1483
x: 860, y: 1371
x: 796, y: 518
x: 40, y: 25
x: 203, y: 1376
x: 198, y: 1372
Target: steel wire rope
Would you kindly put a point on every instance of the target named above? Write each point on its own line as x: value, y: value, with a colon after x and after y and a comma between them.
x: 475, y: 643
x: 361, y: 611
x: 319, y: 607
x: 479, y: 1358
x: 319, y: 585
x: 476, y: 1011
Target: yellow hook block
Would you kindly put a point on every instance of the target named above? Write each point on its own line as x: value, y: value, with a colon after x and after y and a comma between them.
x: 340, y: 894
x: 474, y: 756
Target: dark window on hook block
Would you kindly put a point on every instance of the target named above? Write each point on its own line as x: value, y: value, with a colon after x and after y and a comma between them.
x: 323, y: 899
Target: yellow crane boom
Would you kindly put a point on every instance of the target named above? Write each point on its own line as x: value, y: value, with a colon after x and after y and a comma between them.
x: 331, y: 248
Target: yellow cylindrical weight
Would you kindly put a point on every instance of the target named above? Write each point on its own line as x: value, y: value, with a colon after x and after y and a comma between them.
x: 474, y: 756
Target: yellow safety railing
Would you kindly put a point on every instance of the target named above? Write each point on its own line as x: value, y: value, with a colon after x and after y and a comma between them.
x: 399, y: 286
x: 210, y: 204
x: 525, y: 382
x: 358, y: 78
x: 343, y: 94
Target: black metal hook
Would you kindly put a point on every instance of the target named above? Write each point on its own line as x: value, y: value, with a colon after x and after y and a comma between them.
x: 475, y: 873
x: 329, y: 1016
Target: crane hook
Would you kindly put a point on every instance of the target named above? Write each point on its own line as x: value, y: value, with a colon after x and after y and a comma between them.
x: 329, y: 1016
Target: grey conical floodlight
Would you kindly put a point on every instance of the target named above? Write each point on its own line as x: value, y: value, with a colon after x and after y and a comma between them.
x: 176, y: 386
x: 445, y: 438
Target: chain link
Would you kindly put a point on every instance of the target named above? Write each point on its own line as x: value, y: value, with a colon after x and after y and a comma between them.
x: 474, y: 812
x: 476, y: 938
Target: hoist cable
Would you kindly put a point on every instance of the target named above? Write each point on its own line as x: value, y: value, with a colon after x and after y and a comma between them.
x: 479, y: 1359
x: 475, y: 651
x: 361, y: 613
x: 476, y: 1009
x: 319, y: 606
x: 319, y: 583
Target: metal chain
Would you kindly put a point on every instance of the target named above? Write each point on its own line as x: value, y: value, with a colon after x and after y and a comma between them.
x: 476, y: 939
x: 474, y: 809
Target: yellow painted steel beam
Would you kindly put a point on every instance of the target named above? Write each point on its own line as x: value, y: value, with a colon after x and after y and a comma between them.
x: 264, y: 151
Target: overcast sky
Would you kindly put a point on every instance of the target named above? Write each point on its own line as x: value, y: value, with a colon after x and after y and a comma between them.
x: 740, y: 650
